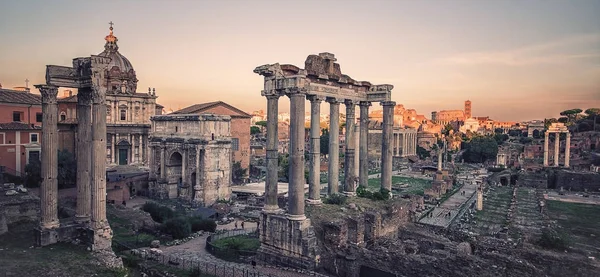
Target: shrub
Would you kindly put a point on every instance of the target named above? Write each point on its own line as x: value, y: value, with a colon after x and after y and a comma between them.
x: 382, y: 194
x: 362, y: 191
x: 552, y: 239
x: 178, y: 227
x: 200, y: 224
x: 336, y: 199
x: 158, y: 213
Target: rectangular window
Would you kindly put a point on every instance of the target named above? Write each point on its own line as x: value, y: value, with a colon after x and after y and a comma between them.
x: 235, y: 144
x: 17, y: 116
x: 38, y: 117
x: 33, y: 138
x: 123, y: 115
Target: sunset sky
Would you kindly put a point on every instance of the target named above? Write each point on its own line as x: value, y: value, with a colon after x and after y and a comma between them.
x: 515, y: 60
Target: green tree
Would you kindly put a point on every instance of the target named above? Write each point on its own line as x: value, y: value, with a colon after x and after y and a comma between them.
x: 592, y: 112
x: 284, y: 167
x: 481, y: 149
x: 238, y: 172
x: 254, y: 130
x: 261, y: 123
x: 500, y: 138
x: 67, y: 169
x: 423, y: 153
x: 324, y: 142
x: 571, y: 114
x: 33, y: 176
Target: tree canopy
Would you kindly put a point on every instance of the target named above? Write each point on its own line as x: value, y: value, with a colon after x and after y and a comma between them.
x: 254, y: 130
x: 592, y: 111
x: 324, y: 142
x: 261, y: 123
x: 480, y: 149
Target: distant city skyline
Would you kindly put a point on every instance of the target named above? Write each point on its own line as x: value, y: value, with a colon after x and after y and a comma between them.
x: 515, y: 60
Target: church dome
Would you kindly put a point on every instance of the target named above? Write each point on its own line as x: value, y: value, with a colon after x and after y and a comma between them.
x: 121, y: 75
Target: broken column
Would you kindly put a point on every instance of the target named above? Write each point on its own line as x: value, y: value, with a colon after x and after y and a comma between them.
x: 479, y: 198
x: 567, y: 149
x: 363, y: 152
x: 272, y: 155
x: 556, y: 148
x: 334, y: 146
x: 386, y: 144
x: 84, y: 162
x: 49, y: 174
x: 546, y: 138
x: 296, y: 159
x: 314, y: 179
x: 349, y: 177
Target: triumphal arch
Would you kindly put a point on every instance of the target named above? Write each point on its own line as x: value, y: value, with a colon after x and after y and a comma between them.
x: 88, y: 75
x: 320, y: 80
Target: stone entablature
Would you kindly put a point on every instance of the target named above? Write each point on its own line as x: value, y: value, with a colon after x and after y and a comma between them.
x: 191, y: 157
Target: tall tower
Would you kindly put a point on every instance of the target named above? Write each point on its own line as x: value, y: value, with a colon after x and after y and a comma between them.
x: 467, y: 109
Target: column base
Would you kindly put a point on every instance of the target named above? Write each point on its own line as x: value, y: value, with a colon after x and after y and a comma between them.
x: 314, y: 201
x: 50, y: 225
x: 350, y: 193
x: 272, y: 209
x: 82, y: 219
x: 295, y: 217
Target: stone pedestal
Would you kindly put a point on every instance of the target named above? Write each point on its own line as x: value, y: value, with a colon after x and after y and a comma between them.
x: 285, y: 242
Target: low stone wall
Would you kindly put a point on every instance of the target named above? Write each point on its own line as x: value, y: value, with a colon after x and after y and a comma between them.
x: 22, y: 207
x: 576, y: 181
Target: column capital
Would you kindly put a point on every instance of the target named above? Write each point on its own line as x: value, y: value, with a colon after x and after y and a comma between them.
x: 98, y: 95
x: 364, y: 104
x: 333, y: 100
x: 84, y: 98
x: 272, y: 96
x: 294, y: 92
x: 349, y: 102
x: 315, y: 98
x: 388, y: 103
x: 48, y: 93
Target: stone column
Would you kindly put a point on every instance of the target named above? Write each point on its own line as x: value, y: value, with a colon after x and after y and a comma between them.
x: 386, y: 153
x: 184, y: 166
x: 349, y: 178
x: 272, y: 155
x: 132, y: 152
x: 196, y: 196
x: 546, y: 139
x: 567, y: 149
x: 113, y: 144
x: 163, y: 174
x: 98, y: 156
x: 556, y: 148
x: 49, y: 174
x: 334, y: 146
x: 363, y: 152
x: 84, y: 162
x: 140, y: 150
x: 314, y: 179
x: 404, y: 143
x: 296, y: 159
x: 439, y: 161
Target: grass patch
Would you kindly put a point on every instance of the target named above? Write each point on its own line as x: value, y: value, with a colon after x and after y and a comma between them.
x: 242, y: 243
x: 580, y: 221
x: 401, y: 184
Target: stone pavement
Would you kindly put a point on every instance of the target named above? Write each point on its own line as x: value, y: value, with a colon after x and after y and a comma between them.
x: 444, y: 214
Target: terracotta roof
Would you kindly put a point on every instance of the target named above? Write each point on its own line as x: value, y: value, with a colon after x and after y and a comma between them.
x: 19, y: 97
x: 18, y: 126
x: 68, y: 99
x: 160, y: 106
x: 199, y: 108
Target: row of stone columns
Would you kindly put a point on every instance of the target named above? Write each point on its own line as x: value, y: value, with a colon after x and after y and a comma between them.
x: 405, y: 144
x: 557, y: 148
x: 136, y: 143
x: 91, y: 157
x: 296, y: 151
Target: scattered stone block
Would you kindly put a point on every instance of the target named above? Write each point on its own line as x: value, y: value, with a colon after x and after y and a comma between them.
x: 155, y: 244
x: 11, y: 192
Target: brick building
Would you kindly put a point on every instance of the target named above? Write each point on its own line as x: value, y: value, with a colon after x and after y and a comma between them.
x: 240, y: 127
x: 20, y: 129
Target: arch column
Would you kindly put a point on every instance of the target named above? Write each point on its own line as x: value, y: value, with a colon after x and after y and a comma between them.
x: 84, y: 165
x: 49, y: 172
x: 386, y: 153
x: 334, y: 147
x: 314, y: 179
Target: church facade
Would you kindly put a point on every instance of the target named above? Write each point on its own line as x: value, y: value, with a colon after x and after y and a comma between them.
x: 128, y: 112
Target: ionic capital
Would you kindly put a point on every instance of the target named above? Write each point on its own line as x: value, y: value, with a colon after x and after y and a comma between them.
x: 364, y: 104
x: 272, y: 96
x: 388, y: 103
x: 48, y: 93
x: 333, y: 101
x: 349, y: 102
x: 317, y: 99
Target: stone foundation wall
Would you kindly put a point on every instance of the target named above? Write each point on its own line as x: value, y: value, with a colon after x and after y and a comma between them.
x: 18, y: 208
x: 533, y: 179
x: 576, y: 181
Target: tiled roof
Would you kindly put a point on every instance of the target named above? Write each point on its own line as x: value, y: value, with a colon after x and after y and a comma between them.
x: 68, y: 99
x: 198, y: 108
x: 18, y: 126
x: 19, y: 97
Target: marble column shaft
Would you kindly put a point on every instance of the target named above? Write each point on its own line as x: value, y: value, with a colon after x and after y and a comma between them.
x: 272, y: 154
x: 113, y: 142
x: 363, y: 152
x: 334, y: 147
x: 546, y: 139
x: 183, y: 167
x: 49, y: 170
x: 98, y: 156
x: 314, y: 179
x: 140, y: 144
x: 296, y: 158
x: 556, y: 148
x: 568, y: 150
x: 84, y: 159
x: 386, y: 147
x: 349, y: 178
